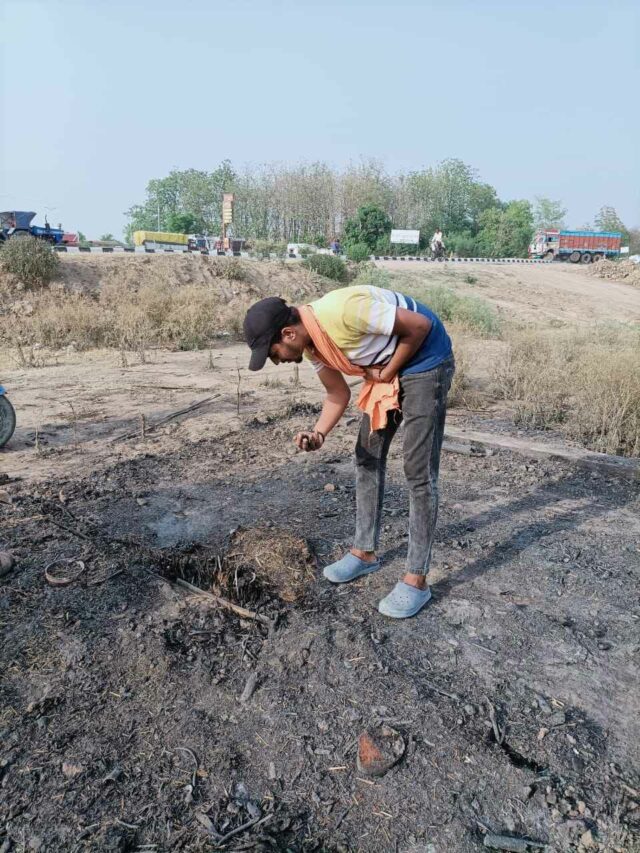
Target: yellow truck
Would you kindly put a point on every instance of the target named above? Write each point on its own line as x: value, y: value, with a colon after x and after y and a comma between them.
x: 161, y: 240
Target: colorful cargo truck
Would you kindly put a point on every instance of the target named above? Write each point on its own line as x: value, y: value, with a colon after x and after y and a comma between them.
x: 576, y: 246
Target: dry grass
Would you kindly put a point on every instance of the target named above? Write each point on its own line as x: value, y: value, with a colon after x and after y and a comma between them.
x: 460, y: 392
x: 586, y: 383
x: 138, y: 311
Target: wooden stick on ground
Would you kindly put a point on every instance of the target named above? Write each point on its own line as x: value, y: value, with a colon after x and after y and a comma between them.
x: 224, y: 602
x: 150, y: 427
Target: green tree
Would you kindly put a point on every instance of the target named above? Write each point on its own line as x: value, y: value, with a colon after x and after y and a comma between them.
x: 108, y: 238
x: 183, y: 223
x: 191, y: 192
x: 449, y: 197
x: 634, y: 241
x: 369, y: 224
x: 506, y: 232
x: 607, y: 219
x: 548, y: 213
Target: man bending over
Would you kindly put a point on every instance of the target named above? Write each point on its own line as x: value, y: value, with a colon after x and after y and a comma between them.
x: 403, y: 353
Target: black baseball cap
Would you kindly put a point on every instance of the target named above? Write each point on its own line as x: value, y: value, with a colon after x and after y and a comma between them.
x: 263, y: 322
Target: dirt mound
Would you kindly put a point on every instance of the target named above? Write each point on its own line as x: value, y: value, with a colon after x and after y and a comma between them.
x: 88, y: 274
x: 273, y: 558
x: 133, y: 302
x: 617, y: 271
x: 256, y: 566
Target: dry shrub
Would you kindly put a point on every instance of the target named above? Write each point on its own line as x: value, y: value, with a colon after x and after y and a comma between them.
x: 54, y: 321
x: 585, y: 382
x: 31, y: 260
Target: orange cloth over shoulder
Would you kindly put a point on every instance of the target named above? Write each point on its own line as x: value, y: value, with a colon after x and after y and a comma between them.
x: 376, y: 399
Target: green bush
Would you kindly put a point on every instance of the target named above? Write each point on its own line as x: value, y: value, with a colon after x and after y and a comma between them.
x: 327, y: 265
x: 383, y: 246
x: 358, y: 252
x: 462, y: 244
x: 307, y: 251
x: 31, y: 260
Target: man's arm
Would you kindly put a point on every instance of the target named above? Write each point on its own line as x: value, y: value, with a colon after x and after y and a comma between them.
x: 412, y: 329
x: 335, y: 402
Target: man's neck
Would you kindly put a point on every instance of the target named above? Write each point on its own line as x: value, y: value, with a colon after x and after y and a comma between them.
x: 306, y: 337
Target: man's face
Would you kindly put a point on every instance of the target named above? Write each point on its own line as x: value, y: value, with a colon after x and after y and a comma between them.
x: 288, y: 349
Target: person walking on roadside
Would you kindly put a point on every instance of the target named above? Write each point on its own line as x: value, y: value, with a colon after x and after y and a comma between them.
x: 403, y: 353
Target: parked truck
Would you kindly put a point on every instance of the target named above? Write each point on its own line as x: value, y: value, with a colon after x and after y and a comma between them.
x: 576, y: 246
x: 17, y: 223
x: 161, y: 240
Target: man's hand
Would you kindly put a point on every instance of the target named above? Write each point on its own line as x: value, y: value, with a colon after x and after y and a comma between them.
x: 307, y: 441
x: 373, y: 374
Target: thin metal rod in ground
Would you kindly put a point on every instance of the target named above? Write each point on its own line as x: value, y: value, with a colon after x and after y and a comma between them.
x: 238, y: 830
x: 223, y: 602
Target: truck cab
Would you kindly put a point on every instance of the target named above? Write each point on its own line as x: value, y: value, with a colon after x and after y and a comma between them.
x: 545, y: 244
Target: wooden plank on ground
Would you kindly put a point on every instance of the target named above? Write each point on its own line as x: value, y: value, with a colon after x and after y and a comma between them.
x: 471, y: 442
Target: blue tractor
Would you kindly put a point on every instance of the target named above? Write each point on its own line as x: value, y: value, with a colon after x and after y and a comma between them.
x: 17, y: 223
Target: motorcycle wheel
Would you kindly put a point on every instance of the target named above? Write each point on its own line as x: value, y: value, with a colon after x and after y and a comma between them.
x: 7, y: 420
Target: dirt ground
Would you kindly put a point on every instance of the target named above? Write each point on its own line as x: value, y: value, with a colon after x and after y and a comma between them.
x: 122, y: 724
x: 535, y: 293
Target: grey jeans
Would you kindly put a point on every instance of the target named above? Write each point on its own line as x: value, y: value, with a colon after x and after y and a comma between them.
x: 423, y: 400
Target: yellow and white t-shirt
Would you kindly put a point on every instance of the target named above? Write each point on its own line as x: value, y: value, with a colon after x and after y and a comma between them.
x: 360, y: 321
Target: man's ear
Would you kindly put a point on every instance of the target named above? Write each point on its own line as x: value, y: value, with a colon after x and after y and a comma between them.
x: 288, y: 333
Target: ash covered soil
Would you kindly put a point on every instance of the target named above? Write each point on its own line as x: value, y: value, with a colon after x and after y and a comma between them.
x: 137, y: 716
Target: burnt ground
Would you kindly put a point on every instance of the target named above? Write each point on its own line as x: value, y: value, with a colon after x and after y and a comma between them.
x: 121, y: 721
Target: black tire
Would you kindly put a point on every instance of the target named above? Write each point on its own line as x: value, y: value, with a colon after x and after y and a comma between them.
x: 586, y: 258
x: 20, y: 235
x: 574, y: 257
x: 550, y: 255
x: 7, y: 420
x: 597, y: 257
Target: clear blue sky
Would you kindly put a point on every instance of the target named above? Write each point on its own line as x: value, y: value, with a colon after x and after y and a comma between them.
x: 98, y: 97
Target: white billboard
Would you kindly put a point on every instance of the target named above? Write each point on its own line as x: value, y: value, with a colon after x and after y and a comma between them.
x: 407, y: 237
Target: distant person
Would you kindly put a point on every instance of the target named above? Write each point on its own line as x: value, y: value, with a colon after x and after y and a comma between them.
x: 437, y: 244
x: 336, y: 248
x: 403, y: 353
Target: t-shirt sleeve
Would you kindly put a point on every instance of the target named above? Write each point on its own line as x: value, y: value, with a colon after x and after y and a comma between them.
x: 367, y: 315
x: 317, y: 365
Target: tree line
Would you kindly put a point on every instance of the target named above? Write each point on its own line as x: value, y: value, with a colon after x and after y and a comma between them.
x: 312, y: 203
